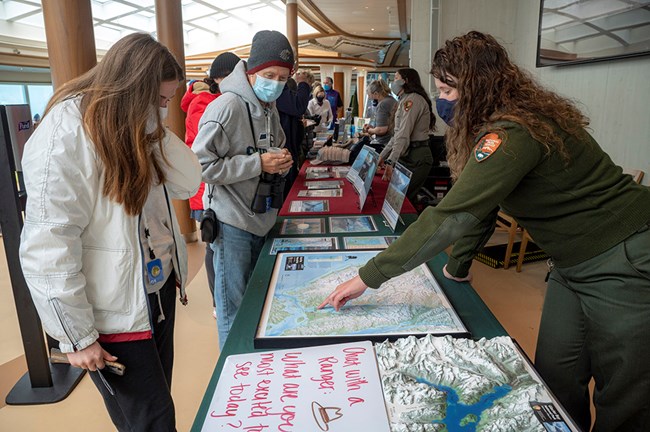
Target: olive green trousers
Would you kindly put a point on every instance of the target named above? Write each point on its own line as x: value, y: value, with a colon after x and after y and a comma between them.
x: 596, y: 324
x: 419, y: 161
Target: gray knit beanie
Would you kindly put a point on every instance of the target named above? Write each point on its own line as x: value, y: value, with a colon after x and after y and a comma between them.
x: 269, y: 48
x: 223, y: 65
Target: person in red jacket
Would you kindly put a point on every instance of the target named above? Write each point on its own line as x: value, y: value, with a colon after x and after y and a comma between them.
x: 198, y: 96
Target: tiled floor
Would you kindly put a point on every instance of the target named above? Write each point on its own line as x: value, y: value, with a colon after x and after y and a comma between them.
x: 515, y: 299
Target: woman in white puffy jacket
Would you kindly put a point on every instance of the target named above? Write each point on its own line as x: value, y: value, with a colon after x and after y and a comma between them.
x: 319, y: 105
x: 101, y: 249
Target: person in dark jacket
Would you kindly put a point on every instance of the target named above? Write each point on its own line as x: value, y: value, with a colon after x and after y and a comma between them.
x: 291, y: 105
x: 515, y: 145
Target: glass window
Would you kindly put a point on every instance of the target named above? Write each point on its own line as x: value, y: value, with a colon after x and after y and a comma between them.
x: 39, y: 95
x: 11, y: 94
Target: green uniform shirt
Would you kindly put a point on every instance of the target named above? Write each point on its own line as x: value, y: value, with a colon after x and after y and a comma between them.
x: 573, y: 212
x: 411, y: 124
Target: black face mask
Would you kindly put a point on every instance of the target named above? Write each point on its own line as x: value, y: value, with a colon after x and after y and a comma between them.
x: 320, y: 100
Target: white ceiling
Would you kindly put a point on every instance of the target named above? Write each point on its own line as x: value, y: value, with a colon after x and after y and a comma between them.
x: 374, y: 31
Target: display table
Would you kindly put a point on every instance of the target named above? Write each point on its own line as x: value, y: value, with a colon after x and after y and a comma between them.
x: 348, y: 203
x: 473, y: 312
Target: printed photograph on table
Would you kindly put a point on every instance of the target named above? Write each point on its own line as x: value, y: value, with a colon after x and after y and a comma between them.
x: 324, y: 184
x: 302, y: 226
x: 410, y: 304
x: 487, y: 384
x: 290, y: 244
x: 321, y: 193
x: 368, y: 242
x: 313, y: 173
x: 318, y: 206
x: 362, y: 172
x: 351, y: 224
x: 330, y: 388
x: 340, y: 171
x: 395, y: 195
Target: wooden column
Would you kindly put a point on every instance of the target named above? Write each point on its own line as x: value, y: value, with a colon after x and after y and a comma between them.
x: 361, y: 92
x: 169, y: 27
x: 70, y: 38
x: 292, y: 26
x: 339, y: 85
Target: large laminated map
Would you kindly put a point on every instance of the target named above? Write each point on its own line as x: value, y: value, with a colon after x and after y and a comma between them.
x: 412, y: 303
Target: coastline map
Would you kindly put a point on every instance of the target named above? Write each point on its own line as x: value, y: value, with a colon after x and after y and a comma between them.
x: 412, y: 303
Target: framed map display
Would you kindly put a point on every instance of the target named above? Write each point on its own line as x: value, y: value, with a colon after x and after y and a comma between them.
x: 411, y: 304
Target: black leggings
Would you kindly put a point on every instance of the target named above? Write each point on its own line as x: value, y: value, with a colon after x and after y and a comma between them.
x: 142, y: 400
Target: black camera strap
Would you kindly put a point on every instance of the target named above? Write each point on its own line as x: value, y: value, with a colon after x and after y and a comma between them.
x: 250, y: 121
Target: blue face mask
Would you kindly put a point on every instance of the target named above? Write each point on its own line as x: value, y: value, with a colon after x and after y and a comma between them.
x: 445, y: 109
x: 327, y: 87
x: 267, y: 90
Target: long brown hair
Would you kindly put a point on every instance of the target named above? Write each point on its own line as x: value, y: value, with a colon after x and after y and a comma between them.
x: 413, y: 84
x: 119, y: 97
x: 492, y: 88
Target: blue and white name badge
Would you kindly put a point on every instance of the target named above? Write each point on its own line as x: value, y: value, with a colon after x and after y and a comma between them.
x: 155, y: 271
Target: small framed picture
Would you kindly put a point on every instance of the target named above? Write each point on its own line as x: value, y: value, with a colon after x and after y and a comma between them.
x: 302, y: 226
x: 317, y: 206
x: 352, y: 224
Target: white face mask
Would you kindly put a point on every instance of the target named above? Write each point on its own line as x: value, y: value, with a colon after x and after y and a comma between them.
x: 152, y: 123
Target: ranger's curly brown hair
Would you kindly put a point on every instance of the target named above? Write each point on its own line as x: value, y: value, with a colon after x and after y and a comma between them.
x: 492, y: 88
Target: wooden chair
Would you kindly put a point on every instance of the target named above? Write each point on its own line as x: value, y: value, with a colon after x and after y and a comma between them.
x: 637, y: 175
x: 508, y: 223
x: 522, y: 250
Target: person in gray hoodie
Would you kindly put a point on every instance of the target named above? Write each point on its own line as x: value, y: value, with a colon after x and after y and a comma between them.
x: 240, y: 148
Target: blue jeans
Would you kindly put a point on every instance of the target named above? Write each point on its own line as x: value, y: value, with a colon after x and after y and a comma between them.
x: 235, y: 254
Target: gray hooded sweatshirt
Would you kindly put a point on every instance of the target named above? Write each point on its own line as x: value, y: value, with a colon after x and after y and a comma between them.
x: 226, y: 148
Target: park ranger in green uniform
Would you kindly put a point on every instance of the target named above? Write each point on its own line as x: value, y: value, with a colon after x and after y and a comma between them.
x: 514, y: 144
x: 413, y: 121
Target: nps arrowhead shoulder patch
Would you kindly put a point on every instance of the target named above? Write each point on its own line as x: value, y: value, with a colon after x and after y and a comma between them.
x: 407, y: 105
x: 486, y: 147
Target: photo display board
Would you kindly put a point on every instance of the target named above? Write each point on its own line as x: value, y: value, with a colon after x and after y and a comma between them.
x: 331, y: 388
x: 362, y: 172
x: 410, y: 304
x: 395, y: 195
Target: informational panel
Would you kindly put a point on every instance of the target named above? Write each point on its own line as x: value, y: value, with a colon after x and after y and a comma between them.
x: 410, y: 304
x: 362, y: 172
x: 399, y: 184
x: 333, y: 388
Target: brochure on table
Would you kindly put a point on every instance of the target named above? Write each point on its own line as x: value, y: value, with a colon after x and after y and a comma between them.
x: 399, y: 184
x: 362, y: 172
x: 330, y: 388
